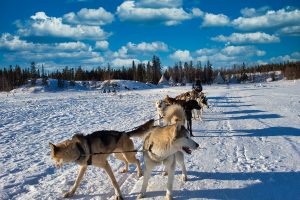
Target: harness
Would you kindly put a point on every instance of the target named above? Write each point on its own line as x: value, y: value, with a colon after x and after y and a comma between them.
x: 82, y: 154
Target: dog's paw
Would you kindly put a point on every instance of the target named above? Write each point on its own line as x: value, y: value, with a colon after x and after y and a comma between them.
x: 168, y: 197
x: 119, y: 198
x: 140, y: 196
x: 68, y: 194
x: 164, y: 173
x: 183, y: 177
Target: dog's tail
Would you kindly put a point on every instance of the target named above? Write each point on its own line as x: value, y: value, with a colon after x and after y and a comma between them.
x: 141, y: 130
x: 175, y: 115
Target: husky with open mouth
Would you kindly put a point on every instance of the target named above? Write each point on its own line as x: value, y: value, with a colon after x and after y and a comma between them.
x: 165, y: 145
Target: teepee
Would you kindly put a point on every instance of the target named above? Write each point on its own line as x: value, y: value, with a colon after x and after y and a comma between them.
x: 219, y: 79
x: 163, y: 80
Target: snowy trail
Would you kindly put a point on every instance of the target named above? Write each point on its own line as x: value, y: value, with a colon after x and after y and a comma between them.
x: 251, y: 135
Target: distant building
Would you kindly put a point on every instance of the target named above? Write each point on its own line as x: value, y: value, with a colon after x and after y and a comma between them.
x: 163, y: 81
x: 219, y: 79
x: 233, y: 79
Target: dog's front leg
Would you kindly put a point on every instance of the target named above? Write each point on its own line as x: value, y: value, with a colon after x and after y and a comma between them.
x: 180, y: 160
x: 200, y: 116
x: 147, y: 174
x: 77, y: 182
x: 111, y: 175
x: 170, y: 165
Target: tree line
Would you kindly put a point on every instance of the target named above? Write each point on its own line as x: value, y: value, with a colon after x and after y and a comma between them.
x: 181, y: 72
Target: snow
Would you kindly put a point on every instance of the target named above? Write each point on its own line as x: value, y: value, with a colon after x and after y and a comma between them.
x: 250, y: 135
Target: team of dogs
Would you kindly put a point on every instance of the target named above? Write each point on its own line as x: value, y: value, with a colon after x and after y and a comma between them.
x: 162, y: 144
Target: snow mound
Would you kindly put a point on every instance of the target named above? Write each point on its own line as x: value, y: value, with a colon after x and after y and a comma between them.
x: 126, y: 85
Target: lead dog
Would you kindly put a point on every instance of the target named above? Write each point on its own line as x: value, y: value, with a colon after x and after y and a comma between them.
x: 95, y: 148
x: 161, y: 145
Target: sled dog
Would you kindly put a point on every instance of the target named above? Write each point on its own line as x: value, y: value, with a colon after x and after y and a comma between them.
x: 160, y: 109
x: 161, y: 145
x: 94, y: 149
x: 202, y: 101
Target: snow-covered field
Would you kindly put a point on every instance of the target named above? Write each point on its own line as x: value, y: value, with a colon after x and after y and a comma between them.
x: 251, y: 134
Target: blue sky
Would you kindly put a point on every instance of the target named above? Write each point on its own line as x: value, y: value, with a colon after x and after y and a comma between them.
x: 91, y: 33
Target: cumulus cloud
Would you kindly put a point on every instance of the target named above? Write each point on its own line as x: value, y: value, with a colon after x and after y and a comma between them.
x: 42, y: 25
x: 147, y: 47
x: 102, y: 45
x: 159, y: 4
x: 181, y: 55
x: 17, y: 50
x: 206, y: 51
x: 143, y: 48
x: 239, y: 38
x: 210, y: 19
x: 14, y: 43
x: 290, y: 30
x: 229, y: 55
x: 279, y: 18
x: 242, y: 51
x: 285, y: 58
x: 121, y: 53
x: 94, y: 17
x: 135, y: 12
x: 126, y: 62
x: 251, y: 12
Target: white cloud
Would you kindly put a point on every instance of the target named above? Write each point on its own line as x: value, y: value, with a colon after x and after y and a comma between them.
x: 229, y: 55
x: 143, y: 48
x: 148, y: 47
x: 251, y: 12
x: 103, y: 45
x: 119, y: 62
x: 130, y: 11
x: 11, y: 42
x: 215, y: 20
x: 19, y: 51
x: 285, y: 58
x: 242, y: 51
x: 14, y: 43
x: 197, y: 12
x: 280, y: 18
x: 290, y: 30
x: 42, y: 25
x: 121, y: 53
x: 239, y: 38
x: 181, y: 55
x: 159, y: 4
x: 94, y: 17
x: 206, y: 51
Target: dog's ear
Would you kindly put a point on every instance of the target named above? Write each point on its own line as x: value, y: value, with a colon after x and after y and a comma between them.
x: 53, y: 147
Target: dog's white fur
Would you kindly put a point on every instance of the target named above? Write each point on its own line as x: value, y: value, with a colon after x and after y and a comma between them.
x: 160, y: 109
x: 198, y: 113
x: 165, y: 145
x: 174, y: 114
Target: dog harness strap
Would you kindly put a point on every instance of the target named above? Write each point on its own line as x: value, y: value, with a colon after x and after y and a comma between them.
x: 89, y: 161
x: 81, y: 151
x: 153, y: 155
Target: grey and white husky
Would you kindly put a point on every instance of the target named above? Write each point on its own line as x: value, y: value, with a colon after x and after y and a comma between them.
x: 166, y: 145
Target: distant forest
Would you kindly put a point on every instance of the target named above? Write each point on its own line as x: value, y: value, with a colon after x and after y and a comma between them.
x: 181, y: 72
